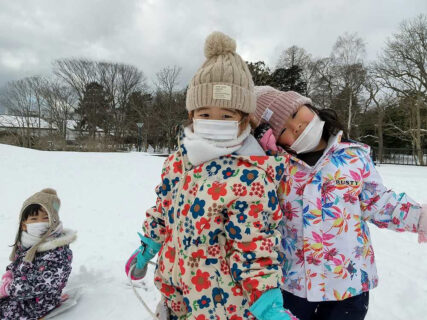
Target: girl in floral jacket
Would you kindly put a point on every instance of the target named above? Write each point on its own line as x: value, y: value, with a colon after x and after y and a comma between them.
x: 41, y: 261
x: 331, y: 191
x: 215, y: 222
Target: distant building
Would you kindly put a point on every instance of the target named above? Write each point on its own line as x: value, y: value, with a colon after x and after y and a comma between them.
x: 9, y: 123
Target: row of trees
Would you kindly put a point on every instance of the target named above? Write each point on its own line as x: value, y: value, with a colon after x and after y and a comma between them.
x: 104, y: 99
x: 382, y: 103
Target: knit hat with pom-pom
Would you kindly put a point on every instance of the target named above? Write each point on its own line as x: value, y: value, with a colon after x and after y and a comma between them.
x: 49, y: 200
x: 224, y: 80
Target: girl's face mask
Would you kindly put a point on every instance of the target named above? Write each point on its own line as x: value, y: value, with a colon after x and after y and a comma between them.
x: 218, y: 130
x: 37, y: 229
x: 216, y: 124
x: 309, y: 139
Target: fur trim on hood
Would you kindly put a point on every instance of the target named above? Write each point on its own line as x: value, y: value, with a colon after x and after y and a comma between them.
x: 68, y: 236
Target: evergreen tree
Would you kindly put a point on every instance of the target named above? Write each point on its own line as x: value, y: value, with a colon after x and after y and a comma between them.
x: 94, y: 109
x: 288, y: 79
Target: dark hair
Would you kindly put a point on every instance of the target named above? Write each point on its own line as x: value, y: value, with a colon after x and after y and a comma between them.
x: 30, y: 211
x: 333, y: 123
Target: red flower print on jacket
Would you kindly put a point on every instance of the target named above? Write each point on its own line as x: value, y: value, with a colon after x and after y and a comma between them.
x: 201, y: 280
x: 217, y: 190
x: 203, y: 223
x: 170, y: 254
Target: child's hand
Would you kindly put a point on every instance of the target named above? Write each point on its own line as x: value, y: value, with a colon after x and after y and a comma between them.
x: 422, y: 225
x: 136, y: 266
x: 5, y: 282
x: 270, y: 307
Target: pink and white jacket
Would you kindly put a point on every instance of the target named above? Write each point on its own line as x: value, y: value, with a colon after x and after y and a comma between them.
x: 327, y: 207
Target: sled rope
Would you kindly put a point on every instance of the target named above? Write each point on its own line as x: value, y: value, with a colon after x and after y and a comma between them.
x: 138, y: 295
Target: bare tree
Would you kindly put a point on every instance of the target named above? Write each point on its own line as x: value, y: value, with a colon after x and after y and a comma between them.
x: 77, y: 73
x: 167, y: 79
x: 118, y: 80
x: 22, y: 99
x: 379, y: 99
x: 169, y: 102
x: 402, y: 69
x: 60, y: 103
x: 347, y: 56
x: 296, y: 56
x: 324, y: 87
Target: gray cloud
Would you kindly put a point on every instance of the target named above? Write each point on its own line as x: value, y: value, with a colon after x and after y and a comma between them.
x: 152, y: 34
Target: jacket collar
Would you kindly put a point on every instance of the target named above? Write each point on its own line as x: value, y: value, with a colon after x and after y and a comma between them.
x: 259, y: 160
x: 334, y: 145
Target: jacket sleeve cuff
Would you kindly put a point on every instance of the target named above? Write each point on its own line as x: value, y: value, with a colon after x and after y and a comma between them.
x: 422, y: 225
x: 266, y: 301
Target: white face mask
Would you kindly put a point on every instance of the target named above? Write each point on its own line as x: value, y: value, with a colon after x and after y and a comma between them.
x: 309, y: 139
x: 37, y: 229
x: 216, y: 129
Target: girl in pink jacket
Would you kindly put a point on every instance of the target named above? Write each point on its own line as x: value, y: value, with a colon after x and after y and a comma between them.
x: 330, y: 191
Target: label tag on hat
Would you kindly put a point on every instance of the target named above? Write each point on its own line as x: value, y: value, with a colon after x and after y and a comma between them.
x: 222, y: 92
x: 267, y: 114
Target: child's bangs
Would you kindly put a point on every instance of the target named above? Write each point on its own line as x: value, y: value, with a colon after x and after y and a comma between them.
x: 30, y: 211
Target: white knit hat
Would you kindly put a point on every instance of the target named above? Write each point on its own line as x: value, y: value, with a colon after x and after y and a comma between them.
x: 224, y: 80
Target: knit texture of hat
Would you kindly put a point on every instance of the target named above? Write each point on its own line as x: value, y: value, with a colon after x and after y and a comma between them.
x: 275, y: 107
x: 224, y: 80
x: 49, y: 200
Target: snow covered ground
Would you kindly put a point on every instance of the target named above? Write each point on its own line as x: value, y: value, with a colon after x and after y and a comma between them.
x: 104, y: 197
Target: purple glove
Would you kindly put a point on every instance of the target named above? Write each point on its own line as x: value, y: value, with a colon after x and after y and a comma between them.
x: 422, y: 225
x: 5, y: 283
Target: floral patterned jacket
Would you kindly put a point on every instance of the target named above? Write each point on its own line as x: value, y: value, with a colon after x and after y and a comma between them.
x: 218, y: 223
x: 37, y: 286
x: 327, y: 207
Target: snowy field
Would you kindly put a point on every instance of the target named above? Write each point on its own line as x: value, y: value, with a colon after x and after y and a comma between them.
x: 104, y: 197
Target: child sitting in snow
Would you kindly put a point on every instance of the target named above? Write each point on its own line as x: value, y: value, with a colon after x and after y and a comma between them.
x: 331, y: 190
x: 41, y: 260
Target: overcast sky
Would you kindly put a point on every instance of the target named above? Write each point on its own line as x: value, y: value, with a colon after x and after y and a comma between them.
x: 151, y: 34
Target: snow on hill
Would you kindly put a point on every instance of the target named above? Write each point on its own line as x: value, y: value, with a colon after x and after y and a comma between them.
x: 104, y: 197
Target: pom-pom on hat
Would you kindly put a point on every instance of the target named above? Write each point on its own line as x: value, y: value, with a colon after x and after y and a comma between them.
x: 49, y: 200
x: 224, y: 80
x: 275, y: 107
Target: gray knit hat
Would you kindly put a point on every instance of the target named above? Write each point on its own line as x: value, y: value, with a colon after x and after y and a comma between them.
x: 224, y: 80
x: 275, y: 107
x: 49, y: 200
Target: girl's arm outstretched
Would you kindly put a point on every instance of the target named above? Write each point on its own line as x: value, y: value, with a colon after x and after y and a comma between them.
x: 384, y: 207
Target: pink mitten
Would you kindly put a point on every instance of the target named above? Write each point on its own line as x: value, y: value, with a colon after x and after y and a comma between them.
x: 422, y: 225
x: 5, y: 283
x: 268, y: 141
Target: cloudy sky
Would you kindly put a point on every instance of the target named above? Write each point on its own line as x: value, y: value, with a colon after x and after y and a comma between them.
x: 151, y: 34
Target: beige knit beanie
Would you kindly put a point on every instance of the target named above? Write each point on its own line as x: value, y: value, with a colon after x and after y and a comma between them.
x: 224, y: 80
x: 275, y: 107
x: 49, y: 200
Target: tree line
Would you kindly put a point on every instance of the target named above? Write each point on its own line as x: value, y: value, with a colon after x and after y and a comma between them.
x: 381, y: 102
